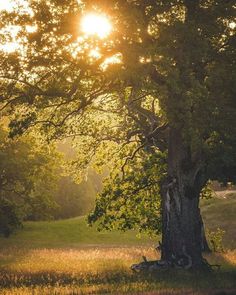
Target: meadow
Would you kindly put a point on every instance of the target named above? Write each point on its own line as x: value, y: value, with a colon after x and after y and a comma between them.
x: 68, y: 257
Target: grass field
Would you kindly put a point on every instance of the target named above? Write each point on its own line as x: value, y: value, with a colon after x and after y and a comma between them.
x: 220, y: 212
x: 69, y: 233
x: 67, y: 257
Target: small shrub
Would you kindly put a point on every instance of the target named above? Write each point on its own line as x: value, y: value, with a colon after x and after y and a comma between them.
x: 207, y: 192
x: 215, y: 239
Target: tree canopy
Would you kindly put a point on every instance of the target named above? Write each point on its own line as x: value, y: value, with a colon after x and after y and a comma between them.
x: 175, y: 68
x: 161, y: 82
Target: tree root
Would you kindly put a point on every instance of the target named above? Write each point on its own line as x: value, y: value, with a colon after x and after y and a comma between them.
x: 209, y: 266
x: 156, y: 265
x: 150, y: 266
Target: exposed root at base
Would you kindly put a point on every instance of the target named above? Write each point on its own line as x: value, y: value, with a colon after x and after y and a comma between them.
x: 155, y: 265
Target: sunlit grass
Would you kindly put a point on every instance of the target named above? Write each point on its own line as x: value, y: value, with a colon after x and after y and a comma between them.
x: 67, y: 257
x: 219, y: 212
x: 103, y: 270
x: 87, y: 260
x: 69, y: 233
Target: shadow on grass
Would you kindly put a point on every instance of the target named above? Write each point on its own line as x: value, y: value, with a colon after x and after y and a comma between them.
x: 224, y: 279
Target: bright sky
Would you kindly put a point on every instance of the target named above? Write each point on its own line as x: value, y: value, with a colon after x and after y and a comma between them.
x: 95, y: 24
x: 91, y: 24
x: 7, y: 4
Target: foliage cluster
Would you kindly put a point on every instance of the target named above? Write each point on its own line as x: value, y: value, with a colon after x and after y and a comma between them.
x: 28, y: 175
x: 138, y: 190
x: 76, y: 199
x: 207, y: 192
x: 32, y: 185
x: 216, y: 238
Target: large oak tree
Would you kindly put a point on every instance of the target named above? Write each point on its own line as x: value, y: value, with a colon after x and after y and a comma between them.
x: 162, y: 82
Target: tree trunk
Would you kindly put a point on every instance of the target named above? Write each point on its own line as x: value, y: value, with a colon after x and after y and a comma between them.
x: 204, y: 244
x: 182, y: 222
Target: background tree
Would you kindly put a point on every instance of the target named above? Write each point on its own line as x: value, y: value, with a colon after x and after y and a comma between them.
x: 76, y: 199
x: 34, y: 185
x: 28, y: 179
x: 171, y: 89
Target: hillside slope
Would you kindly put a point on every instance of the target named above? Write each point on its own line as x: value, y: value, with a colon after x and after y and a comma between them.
x: 218, y: 212
x: 69, y: 233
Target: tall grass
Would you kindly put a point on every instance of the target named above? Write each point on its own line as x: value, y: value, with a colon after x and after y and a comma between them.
x: 67, y: 257
x: 103, y: 271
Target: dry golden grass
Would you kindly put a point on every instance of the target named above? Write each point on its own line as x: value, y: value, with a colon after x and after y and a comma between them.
x: 72, y: 260
x: 103, y: 270
x: 67, y: 257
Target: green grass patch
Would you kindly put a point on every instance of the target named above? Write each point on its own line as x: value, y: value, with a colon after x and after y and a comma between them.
x: 69, y: 233
x: 68, y: 257
x: 220, y: 212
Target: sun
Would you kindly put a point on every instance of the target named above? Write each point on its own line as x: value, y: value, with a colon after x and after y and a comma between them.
x: 95, y: 24
x: 6, y: 5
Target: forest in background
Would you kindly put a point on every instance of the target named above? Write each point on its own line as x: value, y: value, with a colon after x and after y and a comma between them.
x: 26, y: 163
x: 35, y: 186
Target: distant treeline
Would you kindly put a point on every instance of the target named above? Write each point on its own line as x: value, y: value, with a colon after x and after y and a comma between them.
x: 33, y: 187
x: 76, y: 199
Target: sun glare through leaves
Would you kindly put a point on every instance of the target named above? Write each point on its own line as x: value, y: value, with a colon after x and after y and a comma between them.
x: 98, y: 25
x: 9, y: 40
x: 95, y: 24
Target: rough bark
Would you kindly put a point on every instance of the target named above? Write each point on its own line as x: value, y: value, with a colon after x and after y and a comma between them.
x: 204, y: 244
x: 182, y: 223
x: 183, y: 235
